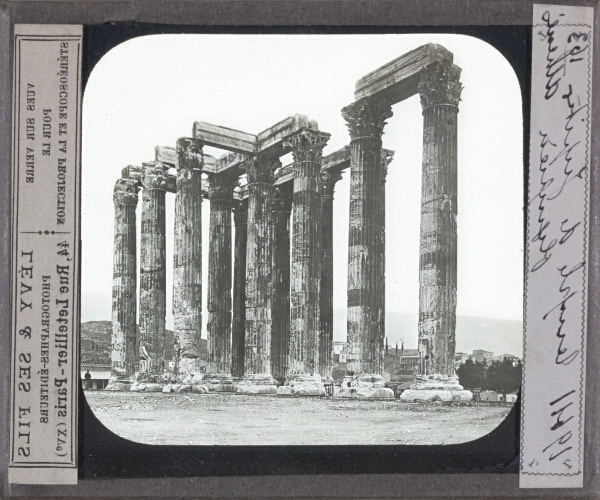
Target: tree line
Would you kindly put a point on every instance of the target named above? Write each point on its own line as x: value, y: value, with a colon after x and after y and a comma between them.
x: 500, y: 376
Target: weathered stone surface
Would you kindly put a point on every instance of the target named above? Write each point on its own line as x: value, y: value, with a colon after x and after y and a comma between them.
x: 303, y: 385
x: 364, y: 386
x: 152, y: 274
x: 280, y: 338
x: 328, y: 180
x: 187, y: 263
x: 238, y: 329
x: 307, y: 149
x: 259, y: 265
x: 366, y: 120
x: 412, y: 395
x: 440, y: 93
x: 124, y: 291
x: 219, y: 276
x: 399, y: 79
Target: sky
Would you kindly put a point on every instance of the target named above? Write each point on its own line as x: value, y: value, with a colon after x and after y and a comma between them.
x: 148, y: 91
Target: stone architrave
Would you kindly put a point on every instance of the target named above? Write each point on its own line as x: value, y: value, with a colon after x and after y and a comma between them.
x: 220, y: 195
x: 124, y: 292
x: 187, y: 264
x: 329, y: 178
x: 440, y: 91
x: 152, y: 279
x: 303, y: 371
x: 259, y: 284
x: 280, y: 338
x: 240, y: 219
x: 366, y: 119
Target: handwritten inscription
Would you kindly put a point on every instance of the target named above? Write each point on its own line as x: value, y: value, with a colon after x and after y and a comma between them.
x: 556, y: 247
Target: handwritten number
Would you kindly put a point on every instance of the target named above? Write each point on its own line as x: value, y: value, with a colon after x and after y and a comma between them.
x: 577, y: 36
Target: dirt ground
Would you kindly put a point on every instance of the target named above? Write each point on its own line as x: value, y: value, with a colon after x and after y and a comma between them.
x: 230, y: 419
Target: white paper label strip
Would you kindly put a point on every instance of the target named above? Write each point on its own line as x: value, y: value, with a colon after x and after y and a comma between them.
x: 46, y: 161
x: 553, y: 404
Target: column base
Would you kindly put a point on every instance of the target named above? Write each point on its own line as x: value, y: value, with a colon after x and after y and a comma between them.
x: 429, y: 388
x: 368, y: 386
x: 255, y: 384
x: 219, y: 382
x: 119, y: 383
x: 302, y: 385
x: 149, y: 382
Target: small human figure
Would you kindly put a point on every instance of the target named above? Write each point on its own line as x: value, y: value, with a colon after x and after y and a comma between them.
x: 88, y: 378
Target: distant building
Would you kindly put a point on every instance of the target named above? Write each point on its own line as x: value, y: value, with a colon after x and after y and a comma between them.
x: 481, y: 355
x: 460, y: 358
x: 409, y: 363
x: 94, y: 376
x: 340, y: 351
x: 510, y: 357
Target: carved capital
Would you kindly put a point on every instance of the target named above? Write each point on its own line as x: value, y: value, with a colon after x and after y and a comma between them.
x: 329, y: 179
x: 307, y: 145
x: 220, y: 187
x: 260, y: 168
x: 154, y: 176
x: 386, y: 159
x: 189, y: 154
x: 282, y: 202
x: 240, y: 213
x: 126, y: 192
x: 440, y: 85
x: 367, y: 117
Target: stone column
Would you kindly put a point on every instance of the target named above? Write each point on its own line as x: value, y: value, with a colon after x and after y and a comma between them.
x: 366, y: 119
x: 124, y: 292
x: 328, y: 180
x: 440, y: 91
x: 187, y: 263
x: 385, y: 161
x: 280, y: 339
x: 259, y: 284
x: 152, y: 277
x: 240, y: 219
x: 303, y: 370
x: 220, y: 194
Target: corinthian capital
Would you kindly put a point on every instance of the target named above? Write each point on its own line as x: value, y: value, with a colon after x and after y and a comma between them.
x: 440, y: 84
x: 329, y: 179
x: 307, y: 145
x: 367, y: 117
x: 189, y: 154
x: 126, y: 192
x: 260, y: 168
x: 154, y: 175
x: 220, y: 187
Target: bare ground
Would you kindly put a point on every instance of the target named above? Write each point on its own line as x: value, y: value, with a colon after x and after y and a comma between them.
x: 230, y: 419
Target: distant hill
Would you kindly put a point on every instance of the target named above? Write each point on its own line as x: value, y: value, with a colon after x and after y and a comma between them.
x: 497, y: 335
x: 96, y: 342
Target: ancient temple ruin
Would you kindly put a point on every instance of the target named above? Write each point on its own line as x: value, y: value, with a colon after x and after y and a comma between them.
x: 270, y: 308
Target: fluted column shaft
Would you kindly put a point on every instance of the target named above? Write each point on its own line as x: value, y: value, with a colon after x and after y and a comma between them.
x: 280, y: 341
x: 259, y: 264
x: 240, y: 219
x: 366, y: 120
x: 440, y: 93
x: 187, y: 263
x: 328, y: 180
x: 152, y: 274
x: 220, y: 194
x: 124, y: 290
x: 307, y: 149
